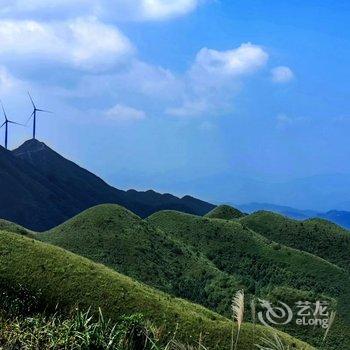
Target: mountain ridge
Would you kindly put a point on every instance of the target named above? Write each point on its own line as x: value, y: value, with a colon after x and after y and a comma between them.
x: 42, y: 189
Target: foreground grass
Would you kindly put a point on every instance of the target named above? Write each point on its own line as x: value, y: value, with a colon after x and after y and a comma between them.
x: 80, y: 331
x: 63, y: 278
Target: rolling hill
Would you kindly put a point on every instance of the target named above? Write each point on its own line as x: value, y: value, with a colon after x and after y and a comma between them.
x: 114, y: 236
x: 58, y: 277
x: 41, y: 189
x: 202, y: 259
x: 266, y: 267
x: 316, y: 236
x: 225, y: 212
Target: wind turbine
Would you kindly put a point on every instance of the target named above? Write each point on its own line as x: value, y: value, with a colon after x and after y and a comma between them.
x: 6, y: 124
x: 34, y: 114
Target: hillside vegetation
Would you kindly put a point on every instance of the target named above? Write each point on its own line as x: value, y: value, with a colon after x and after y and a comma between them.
x: 236, y: 249
x: 201, y: 259
x: 316, y: 236
x: 59, y: 277
x: 114, y: 236
x: 225, y: 212
x: 262, y: 264
x: 11, y: 227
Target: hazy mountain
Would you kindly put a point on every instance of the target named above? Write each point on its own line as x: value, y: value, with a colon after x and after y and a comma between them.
x: 40, y: 189
x: 290, y: 212
x: 320, y: 193
x: 341, y: 218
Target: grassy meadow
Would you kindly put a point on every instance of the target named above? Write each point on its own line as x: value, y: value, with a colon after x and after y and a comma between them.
x: 179, y: 271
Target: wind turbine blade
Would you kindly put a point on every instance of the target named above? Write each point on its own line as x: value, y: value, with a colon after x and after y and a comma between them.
x: 3, y: 124
x: 43, y: 110
x: 29, y: 118
x: 11, y: 122
x: 31, y: 100
x: 3, y: 109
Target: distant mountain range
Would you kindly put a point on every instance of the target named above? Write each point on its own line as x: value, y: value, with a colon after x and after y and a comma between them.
x: 339, y: 217
x: 321, y: 193
x: 40, y: 189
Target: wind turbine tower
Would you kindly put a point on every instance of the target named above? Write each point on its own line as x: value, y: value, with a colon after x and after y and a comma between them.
x: 6, y: 124
x: 34, y: 115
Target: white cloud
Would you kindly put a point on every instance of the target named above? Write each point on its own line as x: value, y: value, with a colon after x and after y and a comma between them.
x: 6, y: 80
x: 84, y: 42
x: 282, y: 75
x: 9, y: 83
x: 124, y: 113
x: 207, y: 87
x: 148, y: 79
x: 25, y: 6
x: 246, y: 59
x: 164, y: 9
x: 139, y: 10
x: 189, y: 109
x: 215, y: 77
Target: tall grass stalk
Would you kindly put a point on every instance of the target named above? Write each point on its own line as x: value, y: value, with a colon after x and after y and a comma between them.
x: 237, y: 315
x: 253, y: 311
x: 272, y: 344
x: 330, y: 324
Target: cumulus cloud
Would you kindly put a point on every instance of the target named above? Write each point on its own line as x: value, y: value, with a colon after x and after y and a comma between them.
x: 9, y: 83
x: 83, y: 42
x: 164, y: 9
x: 139, y: 10
x: 6, y: 80
x: 124, y: 113
x: 215, y: 77
x: 245, y: 59
x: 282, y: 75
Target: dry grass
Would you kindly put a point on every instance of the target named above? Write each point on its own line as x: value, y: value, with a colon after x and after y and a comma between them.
x: 237, y: 314
x: 272, y: 344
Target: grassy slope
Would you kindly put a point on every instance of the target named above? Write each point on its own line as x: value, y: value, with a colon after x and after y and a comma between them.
x: 236, y: 249
x: 263, y: 264
x: 316, y: 236
x: 225, y: 212
x: 11, y: 227
x: 114, y: 236
x: 70, y: 280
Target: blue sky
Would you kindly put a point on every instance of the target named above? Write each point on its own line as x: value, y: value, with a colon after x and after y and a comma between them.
x: 153, y: 92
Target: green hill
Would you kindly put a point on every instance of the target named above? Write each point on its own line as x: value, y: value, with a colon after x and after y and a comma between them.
x: 225, y: 212
x: 11, y: 227
x: 59, y: 277
x: 204, y: 260
x: 236, y: 249
x: 263, y: 265
x: 316, y: 236
x: 113, y: 236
